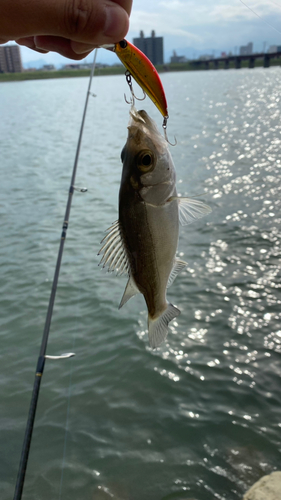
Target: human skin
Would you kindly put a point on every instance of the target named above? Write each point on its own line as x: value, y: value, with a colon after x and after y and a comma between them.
x: 73, y: 28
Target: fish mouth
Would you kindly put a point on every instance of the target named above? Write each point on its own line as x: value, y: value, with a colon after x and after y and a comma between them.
x: 141, y: 127
x: 138, y: 116
x: 142, y: 121
x: 141, y: 118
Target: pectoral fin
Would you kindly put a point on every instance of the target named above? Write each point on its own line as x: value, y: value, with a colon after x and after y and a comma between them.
x: 191, y: 209
x: 158, y: 328
x: 179, y: 266
x: 130, y: 290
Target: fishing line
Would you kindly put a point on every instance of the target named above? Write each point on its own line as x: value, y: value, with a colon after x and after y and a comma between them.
x: 268, y: 24
x: 42, y: 354
x: 275, y: 3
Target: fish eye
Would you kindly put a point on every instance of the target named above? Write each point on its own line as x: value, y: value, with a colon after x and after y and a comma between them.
x: 123, y: 44
x: 145, y: 161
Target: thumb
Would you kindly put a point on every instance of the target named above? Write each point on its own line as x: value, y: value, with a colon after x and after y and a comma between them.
x: 96, y: 21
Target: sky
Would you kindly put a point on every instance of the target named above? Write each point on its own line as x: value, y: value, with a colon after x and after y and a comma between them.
x: 194, y: 27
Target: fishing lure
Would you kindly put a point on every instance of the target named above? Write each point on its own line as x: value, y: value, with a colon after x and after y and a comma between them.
x: 143, y: 71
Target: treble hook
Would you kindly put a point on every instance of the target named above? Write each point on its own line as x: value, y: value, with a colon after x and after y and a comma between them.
x: 133, y: 95
x: 164, y: 126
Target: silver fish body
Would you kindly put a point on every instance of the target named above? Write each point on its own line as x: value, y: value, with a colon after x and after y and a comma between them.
x: 143, y: 242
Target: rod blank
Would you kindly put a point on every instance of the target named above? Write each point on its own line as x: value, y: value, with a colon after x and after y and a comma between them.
x: 42, y: 353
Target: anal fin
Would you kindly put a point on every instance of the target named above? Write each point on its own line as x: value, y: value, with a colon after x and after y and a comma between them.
x: 158, y: 328
x: 178, y: 267
x: 130, y: 290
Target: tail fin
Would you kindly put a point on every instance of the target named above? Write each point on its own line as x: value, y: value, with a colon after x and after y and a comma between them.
x: 158, y: 328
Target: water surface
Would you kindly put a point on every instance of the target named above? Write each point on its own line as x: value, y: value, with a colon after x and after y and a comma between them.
x: 199, y: 418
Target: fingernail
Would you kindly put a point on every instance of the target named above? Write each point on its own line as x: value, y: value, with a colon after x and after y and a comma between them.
x: 26, y: 42
x: 80, y: 48
x: 117, y: 21
x: 40, y: 45
x: 43, y: 51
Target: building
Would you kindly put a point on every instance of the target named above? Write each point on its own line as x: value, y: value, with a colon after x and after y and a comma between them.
x: 48, y: 67
x: 10, y: 59
x: 152, y: 47
x: 272, y: 49
x: 177, y: 59
x: 246, y: 50
x: 206, y: 57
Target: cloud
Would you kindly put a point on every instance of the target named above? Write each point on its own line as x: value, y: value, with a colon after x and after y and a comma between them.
x: 163, y: 24
x: 184, y: 14
x: 213, y: 23
x: 238, y: 11
x: 200, y: 24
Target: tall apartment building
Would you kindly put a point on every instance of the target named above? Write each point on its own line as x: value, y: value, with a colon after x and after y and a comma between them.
x: 10, y: 59
x: 151, y: 46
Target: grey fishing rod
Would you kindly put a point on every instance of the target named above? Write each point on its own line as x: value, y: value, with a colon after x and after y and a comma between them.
x: 43, y: 348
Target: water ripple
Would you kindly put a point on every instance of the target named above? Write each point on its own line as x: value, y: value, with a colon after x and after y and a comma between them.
x: 199, y: 417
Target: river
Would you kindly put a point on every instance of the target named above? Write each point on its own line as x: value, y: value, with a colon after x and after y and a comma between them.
x: 200, y: 417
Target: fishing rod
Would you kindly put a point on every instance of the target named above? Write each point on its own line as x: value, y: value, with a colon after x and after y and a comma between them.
x: 42, y: 353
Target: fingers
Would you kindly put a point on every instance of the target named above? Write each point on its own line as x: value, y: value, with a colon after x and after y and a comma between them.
x: 29, y: 42
x: 60, y: 45
x: 92, y: 22
x: 98, y: 22
x: 125, y: 4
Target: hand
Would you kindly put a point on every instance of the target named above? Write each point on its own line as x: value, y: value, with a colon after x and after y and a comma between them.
x: 73, y: 28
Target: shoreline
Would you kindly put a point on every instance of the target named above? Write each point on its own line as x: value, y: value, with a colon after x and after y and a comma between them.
x: 119, y: 70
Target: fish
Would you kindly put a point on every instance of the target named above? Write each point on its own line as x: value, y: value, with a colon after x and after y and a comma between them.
x: 143, y: 241
x: 143, y: 71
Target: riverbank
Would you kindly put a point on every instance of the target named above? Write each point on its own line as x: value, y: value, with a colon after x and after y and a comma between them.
x: 119, y: 70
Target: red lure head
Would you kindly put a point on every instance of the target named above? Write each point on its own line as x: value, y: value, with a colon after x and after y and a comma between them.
x: 143, y: 71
